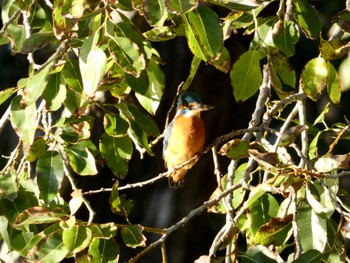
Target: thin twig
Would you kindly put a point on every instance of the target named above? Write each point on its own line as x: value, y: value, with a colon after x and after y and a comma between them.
x: 184, y: 220
x: 298, y: 248
x: 341, y: 133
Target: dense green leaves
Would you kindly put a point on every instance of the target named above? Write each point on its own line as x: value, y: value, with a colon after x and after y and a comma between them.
x: 92, y: 98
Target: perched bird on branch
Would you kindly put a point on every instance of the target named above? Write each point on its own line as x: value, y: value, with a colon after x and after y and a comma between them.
x: 184, y: 137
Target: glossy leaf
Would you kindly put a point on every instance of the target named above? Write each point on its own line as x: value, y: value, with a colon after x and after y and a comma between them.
x: 285, y: 36
x: 241, y: 5
x: 144, y: 121
x: 92, y: 63
x: 180, y: 6
x: 76, y: 238
x: 104, y: 250
x: 116, y: 151
x: 50, y: 174
x: 51, y: 249
x: 81, y: 159
x: 312, y: 229
x: 333, y: 49
x: 155, y: 12
x: 204, y: 33
x: 235, y: 149
x: 23, y: 120
x: 55, y: 92
x: 150, y: 100
x: 115, y: 125
x: 246, y: 75
x: 37, y: 41
x: 104, y: 231
x: 314, y: 77
x: 283, y: 68
x: 275, y: 232
x: 71, y: 73
x: 333, y: 85
x: 133, y: 237
x: 6, y: 93
x: 8, y: 185
x: 37, y: 215
x: 307, y: 18
x: 36, y: 85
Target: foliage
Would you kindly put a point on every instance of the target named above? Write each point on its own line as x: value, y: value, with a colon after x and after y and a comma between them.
x: 279, y: 192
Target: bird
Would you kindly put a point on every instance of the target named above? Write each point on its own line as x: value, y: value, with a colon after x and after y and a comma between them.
x: 184, y: 137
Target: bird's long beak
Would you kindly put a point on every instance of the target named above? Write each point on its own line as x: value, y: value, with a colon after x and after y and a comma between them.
x: 202, y: 107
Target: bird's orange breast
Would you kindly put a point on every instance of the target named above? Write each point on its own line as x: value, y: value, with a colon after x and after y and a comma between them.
x: 186, y: 140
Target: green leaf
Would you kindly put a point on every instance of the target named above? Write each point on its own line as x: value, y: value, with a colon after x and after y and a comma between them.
x: 204, y: 33
x: 235, y: 149
x: 307, y: 18
x: 180, y: 6
x: 133, y: 237
x: 104, y: 250
x: 23, y: 120
x: 8, y: 185
x: 7, y: 93
x: 246, y: 75
x: 55, y: 92
x: 313, y: 150
x: 71, y: 73
x: 144, y: 121
x: 38, y: 215
x: 36, y: 85
x: 76, y: 238
x: 81, y: 159
x: 11, y: 209
x: 310, y: 256
x: 260, y: 253
x: 51, y: 249
x: 103, y: 231
x: 283, y: 68
x: 285, y: 36
x: 160, y: 34
x: 155, y: 12
x: 223, y: 61
x: 333, y: 86
x: 275, y: 232
x: 49, y: 170
x: 314, y: 77
x: 128, y: 47
x: 36, y: 150
x: 116, y: 151
x: 37, y: 41
x: 115, y: 125
x: 73, y: 100
x: 241, y: 5
x: 333, y: 49
x: 312, y: 229
x: 150, y: 100
x: 93, y: 64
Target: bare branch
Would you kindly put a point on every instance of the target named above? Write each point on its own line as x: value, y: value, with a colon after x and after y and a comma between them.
x: 11, y: 19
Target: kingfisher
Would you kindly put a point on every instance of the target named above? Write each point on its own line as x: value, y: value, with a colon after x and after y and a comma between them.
x: 184, y: 137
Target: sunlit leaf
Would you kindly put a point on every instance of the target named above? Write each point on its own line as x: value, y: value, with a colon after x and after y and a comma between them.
x: 50, y: 174
x: 36, y: 85
x: 23, y: 120
x: 133, y: 237
x: 155, y: 12
x: 115, y: 125
x: 246, y: 75
x: 312, y: 229
x: 235, y: 149
x: 81, y: 159
x: 76, y: 201
x: 314, y: 77
x: 8, y: 185
x: 55, y: 92
x: 150, y: 100
x: 333, y: 49
x: 116, y: 151
x: 275, y: 232
x: 104, y: 250
x: 204, y: 33
x: 343, y: 20
x: 327, y: 164
x: 285, y: 36
x: 6, y: 93
x: 180, y: 6
x: 241, y: 5
x: 333, y: 85
x: 77, y: 238
x: 307, y: 18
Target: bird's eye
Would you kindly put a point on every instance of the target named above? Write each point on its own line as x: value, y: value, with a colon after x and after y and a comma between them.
x: 184, y: 103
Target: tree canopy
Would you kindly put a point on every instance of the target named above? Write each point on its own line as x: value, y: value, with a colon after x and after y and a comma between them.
x: 92, y: 102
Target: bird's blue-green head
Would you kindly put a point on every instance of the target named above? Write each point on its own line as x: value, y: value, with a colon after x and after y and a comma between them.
x: 189, y: 101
